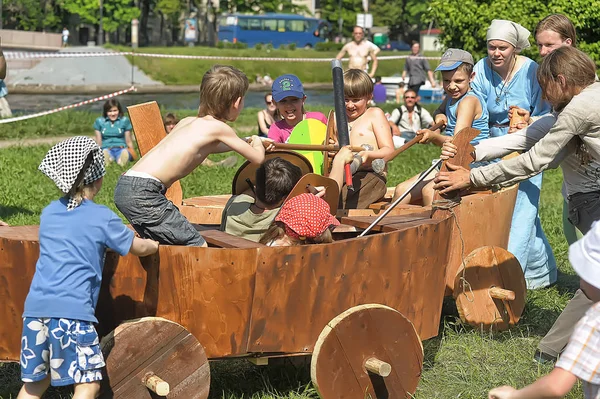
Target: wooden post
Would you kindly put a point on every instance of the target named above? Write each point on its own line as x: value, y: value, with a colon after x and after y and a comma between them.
x: 378, y: 367
x: 501, y: 293
x: 156, y: 384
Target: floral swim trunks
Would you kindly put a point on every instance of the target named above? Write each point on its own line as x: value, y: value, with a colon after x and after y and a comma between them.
x: 67, y: 349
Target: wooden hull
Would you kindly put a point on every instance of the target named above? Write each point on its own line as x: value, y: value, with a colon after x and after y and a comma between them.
x: 251, y: 300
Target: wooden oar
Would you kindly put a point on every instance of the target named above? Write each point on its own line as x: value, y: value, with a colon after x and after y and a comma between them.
x: 309, y: 147
x: 415, y: 140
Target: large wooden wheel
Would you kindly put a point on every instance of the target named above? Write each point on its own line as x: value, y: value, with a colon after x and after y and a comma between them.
x: 367, y: 351
x: 153, y: 356
x: 490, y: 289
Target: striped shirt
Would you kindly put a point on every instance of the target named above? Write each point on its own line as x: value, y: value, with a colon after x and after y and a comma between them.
x: 582, y: 355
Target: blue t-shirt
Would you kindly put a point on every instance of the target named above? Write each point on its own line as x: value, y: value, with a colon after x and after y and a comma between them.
x: 481, y: 124
x: 68, y: 272
x: 379, y: 94
x: 113, y: 133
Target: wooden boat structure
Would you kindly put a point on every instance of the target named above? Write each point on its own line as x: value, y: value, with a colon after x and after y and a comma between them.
x: 360, y: 305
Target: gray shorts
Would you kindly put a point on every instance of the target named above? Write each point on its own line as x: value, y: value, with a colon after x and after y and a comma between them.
x: 142, y: 201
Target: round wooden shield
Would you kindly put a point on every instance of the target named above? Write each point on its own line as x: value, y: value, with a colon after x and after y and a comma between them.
x: 248, y: 170
x: 154, y: 347
x: 361, y: 337
x: 490, y: 290
x: 332, y: 191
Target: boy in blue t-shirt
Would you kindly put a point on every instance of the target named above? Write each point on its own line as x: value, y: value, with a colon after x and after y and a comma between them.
x: 59, y: 345
x: 462, y: 108
x: 113, y: 134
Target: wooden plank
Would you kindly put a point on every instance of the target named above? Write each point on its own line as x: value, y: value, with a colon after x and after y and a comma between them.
x: 209, y: 201
x: 300, y: 289
x: 149, y: 130
x: 389, y: 223
x: 222, y: 239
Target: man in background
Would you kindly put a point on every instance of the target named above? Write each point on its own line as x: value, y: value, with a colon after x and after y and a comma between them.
x: 417, y: 69
x: 359, y: 50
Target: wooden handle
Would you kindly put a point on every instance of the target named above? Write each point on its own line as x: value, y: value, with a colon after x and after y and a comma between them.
x: 501, y: 293
x: 309, y: 147
x: 156, y: 384
x: 378, y: 367
x: 414, y: 141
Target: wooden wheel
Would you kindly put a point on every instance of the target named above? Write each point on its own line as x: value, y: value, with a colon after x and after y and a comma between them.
x: 367, y: 351
x: 153, y: 356
x: 491, y: 291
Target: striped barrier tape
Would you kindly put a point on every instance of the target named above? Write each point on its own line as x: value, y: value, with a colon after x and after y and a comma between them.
x: 19, y: 55
x: 79, y: 104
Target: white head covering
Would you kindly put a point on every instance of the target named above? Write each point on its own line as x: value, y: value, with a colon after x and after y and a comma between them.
x: 65, y: 160
x: 510, y: 32
x: 584, y: 255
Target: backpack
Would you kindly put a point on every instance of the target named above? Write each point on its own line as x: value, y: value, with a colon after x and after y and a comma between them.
x: 417, y: 110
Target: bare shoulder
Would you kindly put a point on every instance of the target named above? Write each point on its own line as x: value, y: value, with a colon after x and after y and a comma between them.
x: 375, y: 113
x: 210, y: 126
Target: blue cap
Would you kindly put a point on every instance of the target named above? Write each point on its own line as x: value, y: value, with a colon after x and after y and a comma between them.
x: 287, y: 86
x: 452, y: 58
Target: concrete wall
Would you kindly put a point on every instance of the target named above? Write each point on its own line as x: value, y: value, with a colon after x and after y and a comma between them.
x: 18, y: 39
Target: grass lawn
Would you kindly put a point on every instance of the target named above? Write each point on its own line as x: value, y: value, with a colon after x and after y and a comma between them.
x: 173, y: 71
x: 461, y: 362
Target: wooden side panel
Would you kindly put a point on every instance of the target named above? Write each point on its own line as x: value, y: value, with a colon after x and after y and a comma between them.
x: 475, y: 229
x: 207, y: 290
x: 299, y: 290
x: 149, y: 130
x: 17, y: 266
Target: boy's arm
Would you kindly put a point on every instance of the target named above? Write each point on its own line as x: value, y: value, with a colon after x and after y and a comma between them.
x: 143, y: 246
x: 552, y: 386
x: 381, y: 129
x: 343, y: 157
x: 466, y: 113
x: 229, y: 141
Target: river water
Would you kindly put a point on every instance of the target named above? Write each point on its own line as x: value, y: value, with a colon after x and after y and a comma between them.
x: 30, y: 103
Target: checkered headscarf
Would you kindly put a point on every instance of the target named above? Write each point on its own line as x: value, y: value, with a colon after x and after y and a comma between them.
x: 63, y: 163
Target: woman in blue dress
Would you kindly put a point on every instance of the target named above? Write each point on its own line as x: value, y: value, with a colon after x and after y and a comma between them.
x: 504, y: 78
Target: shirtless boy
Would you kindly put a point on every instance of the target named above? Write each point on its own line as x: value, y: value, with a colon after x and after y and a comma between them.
x: 139, y: 193
x: 359, y: 49
x: 366, y: 126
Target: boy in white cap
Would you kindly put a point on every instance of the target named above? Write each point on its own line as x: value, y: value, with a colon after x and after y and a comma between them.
x: 59, y: 345
x: 462, y: 108
x: 581, y: 357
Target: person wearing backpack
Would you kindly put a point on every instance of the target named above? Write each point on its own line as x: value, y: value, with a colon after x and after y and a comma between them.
x: 407, y: 119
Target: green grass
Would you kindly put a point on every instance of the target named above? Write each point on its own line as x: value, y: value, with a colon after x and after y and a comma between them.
x: 461, y: 362
x: 173, y: 71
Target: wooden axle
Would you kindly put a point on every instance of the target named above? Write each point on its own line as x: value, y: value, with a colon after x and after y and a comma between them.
x: 156, y: 384
x: 310, y: 147
x: 378, y: 367
x: 501, y: 293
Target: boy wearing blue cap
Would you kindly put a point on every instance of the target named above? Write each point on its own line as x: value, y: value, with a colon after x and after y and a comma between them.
x: 288, y: 94
x: 462, y: 108
x: 581, y: 357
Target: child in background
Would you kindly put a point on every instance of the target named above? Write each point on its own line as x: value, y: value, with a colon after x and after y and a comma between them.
x: 400, y: 92
x: 304, y: 219
x: 249, y: 217
x: 288, y: 94
x: 366, y: 127
x: 60, y: 345
x: 139, y: 193
x: 581, y: 357
x: 113, y: 134
x: 379, y: 94
x: 170, y: 121
x: 464, y: 108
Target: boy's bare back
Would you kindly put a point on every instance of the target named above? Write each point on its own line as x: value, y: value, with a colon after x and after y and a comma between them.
x: 190, y: 142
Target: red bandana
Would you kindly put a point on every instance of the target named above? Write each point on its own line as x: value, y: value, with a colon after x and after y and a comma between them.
x: 306, y: 216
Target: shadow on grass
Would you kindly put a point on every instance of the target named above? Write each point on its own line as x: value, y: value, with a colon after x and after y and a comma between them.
x: 8, y: 211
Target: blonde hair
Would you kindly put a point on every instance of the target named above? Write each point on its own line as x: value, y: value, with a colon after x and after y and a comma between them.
x: 221, y: 86
x: 79, y: 190
x: 277, y: 230
x: 357, y: 84
x: 560, y: 24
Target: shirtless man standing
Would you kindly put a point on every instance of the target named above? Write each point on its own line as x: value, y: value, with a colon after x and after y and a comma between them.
x: 359, y: 50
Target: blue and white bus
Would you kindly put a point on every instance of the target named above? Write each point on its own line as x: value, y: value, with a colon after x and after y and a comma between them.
x: 276, y: 29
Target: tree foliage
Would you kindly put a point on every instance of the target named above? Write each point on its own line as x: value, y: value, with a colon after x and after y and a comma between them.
x: 464, y: 22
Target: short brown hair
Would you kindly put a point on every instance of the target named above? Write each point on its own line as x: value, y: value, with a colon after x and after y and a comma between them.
x: 357, y: 84
x: 275, y: 179
x: 221, y: 86
x: 560, y: 24
x: 577, y: 68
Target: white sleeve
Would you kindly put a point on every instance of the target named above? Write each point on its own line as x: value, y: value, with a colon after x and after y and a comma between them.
x: 426, y: 118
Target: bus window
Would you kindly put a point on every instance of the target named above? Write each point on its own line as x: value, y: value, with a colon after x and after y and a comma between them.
x: 296, y: 25
x: 323, y: 31
x: 254, y: 24
x: 270, y: 24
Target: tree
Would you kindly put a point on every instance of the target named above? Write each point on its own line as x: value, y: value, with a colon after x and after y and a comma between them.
x: 116, y: 13
x: 402, y: 17
x: 31, y: 15
x: 330, y: 9
x: 464, y: 22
